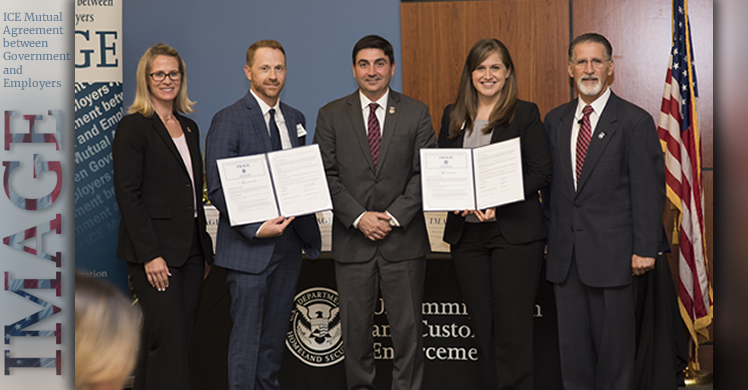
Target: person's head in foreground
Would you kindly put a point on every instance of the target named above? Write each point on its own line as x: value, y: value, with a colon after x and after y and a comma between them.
x: 107, y: 331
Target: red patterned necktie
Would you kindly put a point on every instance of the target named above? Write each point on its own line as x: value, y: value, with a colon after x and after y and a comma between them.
x: 375, y: 137
x: 583, y: 139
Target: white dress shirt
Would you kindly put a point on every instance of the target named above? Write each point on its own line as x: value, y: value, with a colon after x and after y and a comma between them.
x: 597, y: 106
x: 380, y: 113
x: 280, y: 121
x: 381, y: 110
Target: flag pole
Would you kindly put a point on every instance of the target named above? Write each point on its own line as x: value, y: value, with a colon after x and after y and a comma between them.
x: 693, y: 374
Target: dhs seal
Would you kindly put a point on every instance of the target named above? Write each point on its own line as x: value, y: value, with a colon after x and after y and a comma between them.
x: 315, y: 337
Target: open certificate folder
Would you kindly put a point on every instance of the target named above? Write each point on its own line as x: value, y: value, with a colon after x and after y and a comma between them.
x: 288, y: 182
x: 472, y: 179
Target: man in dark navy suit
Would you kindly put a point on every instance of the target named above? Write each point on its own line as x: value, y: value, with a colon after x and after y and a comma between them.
x: 605, y: 207
x: 262, y: 260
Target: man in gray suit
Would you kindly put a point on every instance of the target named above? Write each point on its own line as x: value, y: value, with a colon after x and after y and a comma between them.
x: 370, y: 142
x: 605, y: 207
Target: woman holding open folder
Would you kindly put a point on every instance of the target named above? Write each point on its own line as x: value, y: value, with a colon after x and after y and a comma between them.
x: 158, y: 180
x: 498, y: 252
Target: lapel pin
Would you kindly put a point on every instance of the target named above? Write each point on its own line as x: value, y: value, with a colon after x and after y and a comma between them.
x: 189, y: 130
x: 392, y: 109
x: 601, y: 135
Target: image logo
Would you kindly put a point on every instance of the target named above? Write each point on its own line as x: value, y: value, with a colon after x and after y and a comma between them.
x: 315, y: 337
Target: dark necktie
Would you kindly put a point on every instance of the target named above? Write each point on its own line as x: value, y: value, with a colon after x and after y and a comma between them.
x: 275, y: 139
x: 583, y: 139
x: 375, y: 138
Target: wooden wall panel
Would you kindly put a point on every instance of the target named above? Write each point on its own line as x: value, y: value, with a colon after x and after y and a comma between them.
x: 436, y: 37
x: 640, y: 33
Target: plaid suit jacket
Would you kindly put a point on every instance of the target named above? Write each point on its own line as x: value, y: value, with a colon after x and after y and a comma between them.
x: 240, y: 130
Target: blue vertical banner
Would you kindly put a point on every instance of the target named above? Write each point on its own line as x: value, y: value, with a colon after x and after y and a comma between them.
x: 98, y: 109
x: 36, y: 219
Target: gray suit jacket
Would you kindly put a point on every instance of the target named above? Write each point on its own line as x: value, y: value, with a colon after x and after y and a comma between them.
x: 395, y: 185
x: 240, y: 130
x: 616, y: 210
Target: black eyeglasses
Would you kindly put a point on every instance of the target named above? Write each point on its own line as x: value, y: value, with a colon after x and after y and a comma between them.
x: 160, y: 76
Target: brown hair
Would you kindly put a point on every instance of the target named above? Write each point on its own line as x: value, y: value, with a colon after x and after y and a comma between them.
x: 269, y: 43
x: 466, y: 105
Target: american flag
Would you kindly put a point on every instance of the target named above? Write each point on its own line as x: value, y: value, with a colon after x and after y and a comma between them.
x: 679, y: 135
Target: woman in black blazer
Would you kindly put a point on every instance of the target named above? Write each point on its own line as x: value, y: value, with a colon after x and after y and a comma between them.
x: 498, y: 252
x: 158, y: 180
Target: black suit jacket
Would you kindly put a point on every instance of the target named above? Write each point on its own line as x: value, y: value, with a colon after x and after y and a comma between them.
x: 154, y: 191
x: 519, y: 222
x: 616, y: 210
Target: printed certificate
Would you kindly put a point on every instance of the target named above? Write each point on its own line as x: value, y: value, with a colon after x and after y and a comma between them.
x: 472, y: 179
x: 288, y: 182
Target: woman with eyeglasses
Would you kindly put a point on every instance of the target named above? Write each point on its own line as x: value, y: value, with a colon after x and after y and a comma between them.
x: 497, y: 252
x: 158, y: 180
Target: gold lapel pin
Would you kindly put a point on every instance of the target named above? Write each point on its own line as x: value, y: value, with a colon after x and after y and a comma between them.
x: 392, y: 109
x: 189, y: 130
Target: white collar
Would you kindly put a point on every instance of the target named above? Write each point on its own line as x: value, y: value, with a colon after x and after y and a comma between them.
x: 264, y: 106
x: 598, y: 105
x: 365, y: 100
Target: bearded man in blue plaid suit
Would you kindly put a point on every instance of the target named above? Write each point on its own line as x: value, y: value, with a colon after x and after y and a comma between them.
x: 262, y: 260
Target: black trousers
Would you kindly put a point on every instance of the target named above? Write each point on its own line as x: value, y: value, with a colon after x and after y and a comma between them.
x: 499, y: 281
x: 596, y: 334
x: 168, y: 318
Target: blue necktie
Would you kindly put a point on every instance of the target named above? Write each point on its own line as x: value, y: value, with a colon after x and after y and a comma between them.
x: 275, y: 139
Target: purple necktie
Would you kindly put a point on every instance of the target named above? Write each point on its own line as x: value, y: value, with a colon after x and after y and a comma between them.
x: 583, y: 139
x: 375, y: 137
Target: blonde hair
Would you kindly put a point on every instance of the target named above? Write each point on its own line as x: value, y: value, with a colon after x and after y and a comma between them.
x: 107, y: 331
x: 142, y: 103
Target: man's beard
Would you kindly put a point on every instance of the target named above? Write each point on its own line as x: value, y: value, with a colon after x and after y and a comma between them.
x: 589, y: 91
